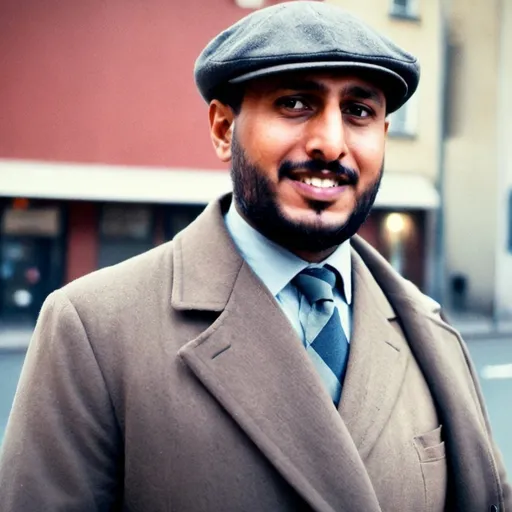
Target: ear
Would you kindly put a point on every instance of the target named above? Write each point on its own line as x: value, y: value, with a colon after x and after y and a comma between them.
x: 222, y: 121
x: 386, y: 126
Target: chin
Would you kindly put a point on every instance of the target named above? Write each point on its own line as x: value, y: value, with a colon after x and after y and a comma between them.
x: 314, y: 218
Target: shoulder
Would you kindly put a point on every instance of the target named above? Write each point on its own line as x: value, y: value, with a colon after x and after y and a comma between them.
x: 423, y: 301
x: 115, y: 313
x: 429, y: 307
x: 133, y: 282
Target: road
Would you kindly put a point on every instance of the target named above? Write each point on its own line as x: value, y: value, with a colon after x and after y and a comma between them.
x: 492, y: 358
x: 493, y: 361
x: 10, y: 367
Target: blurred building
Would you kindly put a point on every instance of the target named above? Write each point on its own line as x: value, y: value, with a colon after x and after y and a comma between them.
x: 405, y: 225
x: 478, y: 158
x: 104, y: 144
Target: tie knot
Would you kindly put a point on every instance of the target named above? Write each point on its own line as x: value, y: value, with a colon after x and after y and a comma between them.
x: 316, y: 284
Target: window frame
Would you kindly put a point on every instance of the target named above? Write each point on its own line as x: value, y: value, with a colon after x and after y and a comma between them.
x: 509, y: 230
x: 409, y: 128
x: 125, y: 237
x: 410, y: 12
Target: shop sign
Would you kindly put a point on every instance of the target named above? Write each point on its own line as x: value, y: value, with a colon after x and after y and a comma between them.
x: 35, y: 222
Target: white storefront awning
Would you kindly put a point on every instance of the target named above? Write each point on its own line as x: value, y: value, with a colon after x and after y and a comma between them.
x: 96, y: 182
x: 403, y: 190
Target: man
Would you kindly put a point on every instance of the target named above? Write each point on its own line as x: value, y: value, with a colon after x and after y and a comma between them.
x: 267, y: 359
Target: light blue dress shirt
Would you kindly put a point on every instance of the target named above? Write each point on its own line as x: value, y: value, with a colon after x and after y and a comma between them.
x: 276, y: 267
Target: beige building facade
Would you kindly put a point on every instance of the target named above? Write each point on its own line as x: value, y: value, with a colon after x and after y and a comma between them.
x: 414, y: 141
x: 478, y: 158
x: 503, y: 300
x: 455, y: 133
x: 414, y: 147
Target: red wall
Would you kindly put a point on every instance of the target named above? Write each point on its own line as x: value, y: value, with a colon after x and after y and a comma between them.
x: 107, y: 81
x: 82, y: 239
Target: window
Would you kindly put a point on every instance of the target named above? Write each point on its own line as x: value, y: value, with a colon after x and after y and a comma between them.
x: 404, y: 8
x: 179, y: 216
x: 402, y: 123
x: 125, y: 231
x: 126, y: 222
x: 250, y: 4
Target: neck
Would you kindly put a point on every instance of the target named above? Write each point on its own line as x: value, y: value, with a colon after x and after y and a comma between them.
x: 313, y: 257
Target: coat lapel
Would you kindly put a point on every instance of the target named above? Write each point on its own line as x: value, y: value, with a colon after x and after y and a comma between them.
x: 377, y: 363
x: 469, y: 452
x: 253, y: 363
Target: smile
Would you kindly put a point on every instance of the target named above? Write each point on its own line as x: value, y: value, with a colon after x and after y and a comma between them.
x: 324, y: 179
x: 319, y: 182
x: 328, y: 187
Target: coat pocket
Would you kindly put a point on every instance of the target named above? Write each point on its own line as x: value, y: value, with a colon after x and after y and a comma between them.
x: 430, y: 446
x: 431, y: 452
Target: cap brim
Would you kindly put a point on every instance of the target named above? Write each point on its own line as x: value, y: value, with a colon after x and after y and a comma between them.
x: 394, y: 87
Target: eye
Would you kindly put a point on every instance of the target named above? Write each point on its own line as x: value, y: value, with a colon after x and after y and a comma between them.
x: 293, y: 104
x: 357, y: 110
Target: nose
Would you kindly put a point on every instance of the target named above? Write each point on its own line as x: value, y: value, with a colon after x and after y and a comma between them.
x: 326, y: 138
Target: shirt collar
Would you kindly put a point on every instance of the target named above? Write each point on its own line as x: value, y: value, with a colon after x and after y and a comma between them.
x: 276, y: 266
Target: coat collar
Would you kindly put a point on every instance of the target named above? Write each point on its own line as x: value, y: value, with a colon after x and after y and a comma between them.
x: 206, y: 262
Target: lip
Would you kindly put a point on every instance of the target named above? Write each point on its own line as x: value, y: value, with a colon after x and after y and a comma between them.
x: 330, y: 194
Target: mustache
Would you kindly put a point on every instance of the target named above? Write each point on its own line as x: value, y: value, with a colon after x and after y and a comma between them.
x: 287, y: 168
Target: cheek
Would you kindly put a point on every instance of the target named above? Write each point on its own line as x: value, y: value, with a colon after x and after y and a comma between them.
x: 368, y: 152
x: 268, y: 143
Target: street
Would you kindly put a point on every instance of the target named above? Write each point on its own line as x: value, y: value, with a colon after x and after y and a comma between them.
x: 492, y: 358
x: 10, y: 367
x: 493, y: 361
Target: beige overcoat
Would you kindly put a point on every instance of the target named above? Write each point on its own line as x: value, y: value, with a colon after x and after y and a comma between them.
x: 174, y: 382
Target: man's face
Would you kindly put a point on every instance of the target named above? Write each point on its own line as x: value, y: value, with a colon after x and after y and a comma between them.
x: 307, y: 154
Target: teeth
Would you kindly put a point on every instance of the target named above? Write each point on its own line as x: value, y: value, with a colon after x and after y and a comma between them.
x: 319, y: 182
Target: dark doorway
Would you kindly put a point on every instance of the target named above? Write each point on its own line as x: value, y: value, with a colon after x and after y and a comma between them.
x: 31, y: 259
x: 25, y: 267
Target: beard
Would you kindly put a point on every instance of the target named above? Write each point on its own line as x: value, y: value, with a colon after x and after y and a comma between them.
x: 256, y: 199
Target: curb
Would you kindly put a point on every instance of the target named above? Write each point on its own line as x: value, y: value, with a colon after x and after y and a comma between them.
x: 480, y: 336
x: 15, y: 340
x: 12, y: 349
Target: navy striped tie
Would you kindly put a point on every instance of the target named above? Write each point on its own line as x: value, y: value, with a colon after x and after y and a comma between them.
x: 326, y: 342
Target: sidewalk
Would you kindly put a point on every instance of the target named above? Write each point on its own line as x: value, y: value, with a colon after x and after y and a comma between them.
x: 15, y: 338
x: 476, y: 325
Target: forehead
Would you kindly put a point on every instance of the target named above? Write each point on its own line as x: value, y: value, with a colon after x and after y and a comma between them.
x: 332, y: 81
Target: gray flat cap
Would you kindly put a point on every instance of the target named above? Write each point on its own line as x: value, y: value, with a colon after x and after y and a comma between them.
x: 305, y: 35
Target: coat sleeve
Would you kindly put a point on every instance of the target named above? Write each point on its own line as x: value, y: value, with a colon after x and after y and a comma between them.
x: 62, y: 446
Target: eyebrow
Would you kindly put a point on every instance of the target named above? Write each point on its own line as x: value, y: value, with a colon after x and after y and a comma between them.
x: 356, y: 91
x: 362, y: 92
